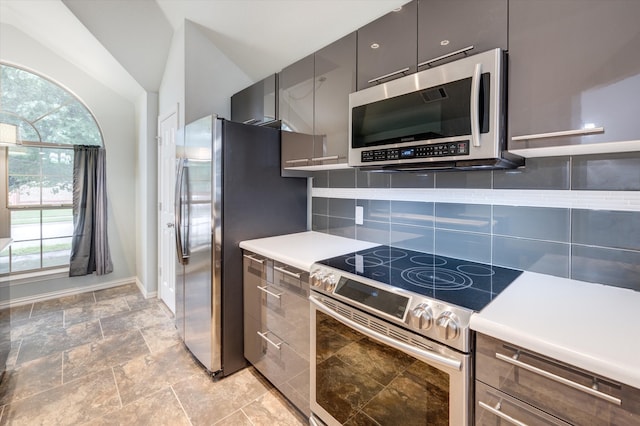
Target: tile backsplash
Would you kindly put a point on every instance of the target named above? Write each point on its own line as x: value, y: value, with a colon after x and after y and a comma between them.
x: 597, y: 243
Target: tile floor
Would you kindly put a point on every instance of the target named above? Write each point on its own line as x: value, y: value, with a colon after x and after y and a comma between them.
x: 111, y: 357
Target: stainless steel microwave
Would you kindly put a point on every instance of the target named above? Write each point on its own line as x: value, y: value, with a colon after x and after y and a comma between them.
x: 447, y: 117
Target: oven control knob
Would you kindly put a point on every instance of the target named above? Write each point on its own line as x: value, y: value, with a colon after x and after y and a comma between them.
x: 448, y: 326
x: 421, y: 317
x: 329, y: 282
x: 316, y: 278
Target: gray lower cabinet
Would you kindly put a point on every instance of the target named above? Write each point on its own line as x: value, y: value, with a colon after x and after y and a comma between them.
x: 276, y: 325
x: 335, y: 76
x: 574, y: 72
x: 387, y: 46
x: 464, y: 26
x: 513, y: 383
x: 256, y: 104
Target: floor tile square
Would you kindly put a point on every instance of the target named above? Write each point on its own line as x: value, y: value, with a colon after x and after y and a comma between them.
x: 31, y: 378
x: 122, y: 322
x: 160, y: 408
x: 207, y: 402
x: 69, y: 404
x: 101, y: 309
x: 83, y: 360
x: 61, y: 303
x: 147, y: 374
x: 59, y: 340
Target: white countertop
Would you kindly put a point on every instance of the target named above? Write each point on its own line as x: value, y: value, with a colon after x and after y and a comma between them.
x: 4, y: 243
x: 301, y: 250
x: 591, y: 326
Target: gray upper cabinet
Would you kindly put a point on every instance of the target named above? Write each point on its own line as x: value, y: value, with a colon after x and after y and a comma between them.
x: 256, y: 104
x: 335, y: 77
x: 574, y: 72
x: 295, y: 96
x: 296, y: 87
x: 449, y: 29
x: 387, y: 46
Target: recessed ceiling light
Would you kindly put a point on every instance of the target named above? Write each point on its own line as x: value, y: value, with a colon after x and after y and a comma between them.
x: 374, y: 45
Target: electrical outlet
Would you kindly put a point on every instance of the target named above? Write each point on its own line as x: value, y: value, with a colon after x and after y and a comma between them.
x: 359, y: 215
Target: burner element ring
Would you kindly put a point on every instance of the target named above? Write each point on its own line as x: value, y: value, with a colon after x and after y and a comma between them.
x: 437, y: 278
x: 428, y: 260
x: 391, y: 254
x: 367, y: 261
x: 477, y: 270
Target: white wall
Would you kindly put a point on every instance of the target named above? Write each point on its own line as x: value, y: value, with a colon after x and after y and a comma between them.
x: 210, y: 76
x: 147, y: 194
x: 116, y: 117
x: 173, y: 80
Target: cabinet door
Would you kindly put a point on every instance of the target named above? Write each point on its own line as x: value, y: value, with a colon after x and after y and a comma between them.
x: 335, y: 75
x: 449, y: 26
x: 497, y: 408
x: 566, y: 392
x: 295, y: 96
x: 574, y: 66
x: 388, y: 46
x: 255, y: 104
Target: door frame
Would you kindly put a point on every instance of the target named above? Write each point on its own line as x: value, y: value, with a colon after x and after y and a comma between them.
x: 162, y: 173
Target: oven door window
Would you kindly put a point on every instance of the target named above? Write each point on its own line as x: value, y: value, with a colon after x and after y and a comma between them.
x: 359, y: 380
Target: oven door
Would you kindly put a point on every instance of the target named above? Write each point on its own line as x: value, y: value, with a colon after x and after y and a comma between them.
x: 367, y: 371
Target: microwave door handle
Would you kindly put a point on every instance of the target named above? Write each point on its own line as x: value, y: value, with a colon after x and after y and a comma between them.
x: 475, y: 105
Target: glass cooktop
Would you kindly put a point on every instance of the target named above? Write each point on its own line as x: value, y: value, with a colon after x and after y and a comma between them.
x: 460, y: 282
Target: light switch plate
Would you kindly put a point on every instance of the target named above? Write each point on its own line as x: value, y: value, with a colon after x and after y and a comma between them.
x: 359, y: 215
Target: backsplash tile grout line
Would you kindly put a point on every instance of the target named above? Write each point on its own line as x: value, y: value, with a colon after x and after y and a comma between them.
x: 574, y: 199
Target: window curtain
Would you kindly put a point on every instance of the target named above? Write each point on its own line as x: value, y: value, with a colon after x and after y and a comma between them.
x: 89, y: 245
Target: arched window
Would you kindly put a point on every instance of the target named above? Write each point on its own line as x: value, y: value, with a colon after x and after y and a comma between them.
x: 46, y: 121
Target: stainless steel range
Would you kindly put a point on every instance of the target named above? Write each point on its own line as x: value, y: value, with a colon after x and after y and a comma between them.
x: 391, y: 337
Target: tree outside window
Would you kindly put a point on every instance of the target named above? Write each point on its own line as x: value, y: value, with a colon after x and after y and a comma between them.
x: 40, y: 170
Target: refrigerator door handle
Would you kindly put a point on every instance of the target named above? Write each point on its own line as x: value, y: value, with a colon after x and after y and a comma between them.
x: 178, y: 211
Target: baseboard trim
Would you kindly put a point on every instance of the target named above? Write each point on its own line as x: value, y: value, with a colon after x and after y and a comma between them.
x: 143, y: 290
x: 67, y: 292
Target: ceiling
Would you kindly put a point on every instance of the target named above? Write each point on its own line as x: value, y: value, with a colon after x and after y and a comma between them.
x: 125, y: 44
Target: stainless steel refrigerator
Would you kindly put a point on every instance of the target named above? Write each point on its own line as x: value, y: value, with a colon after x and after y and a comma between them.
x: 228, y: 189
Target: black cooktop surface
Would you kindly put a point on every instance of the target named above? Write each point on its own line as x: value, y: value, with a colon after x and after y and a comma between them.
x: 460, y: 282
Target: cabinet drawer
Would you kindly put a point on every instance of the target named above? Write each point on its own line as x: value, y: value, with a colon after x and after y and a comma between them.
x: 294, y: 280
x: 278, y: 362
x: 276, y: 295
x: 557, y: 388
x: 495, y: 408
x: 257, y: 271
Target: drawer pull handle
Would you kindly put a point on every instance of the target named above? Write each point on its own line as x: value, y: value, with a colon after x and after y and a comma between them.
x: 391, y: 74
x: 297, y: 161
x: 559, y: 379
x: 284, y: 271
x: 496, y: 411
x: 448, y: 55
x: 576, y: 132
x: 271, y: 342
x: 276, y: 295
x: 331, y: 157
x: 248, y: 256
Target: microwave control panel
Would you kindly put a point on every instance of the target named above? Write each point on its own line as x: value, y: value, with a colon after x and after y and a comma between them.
x: 446, y: 149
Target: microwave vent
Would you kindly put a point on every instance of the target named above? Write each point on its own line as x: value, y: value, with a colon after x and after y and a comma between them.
x: 433, y: 94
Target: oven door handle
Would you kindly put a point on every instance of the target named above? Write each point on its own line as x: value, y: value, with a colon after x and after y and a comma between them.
x: 420, y: 354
